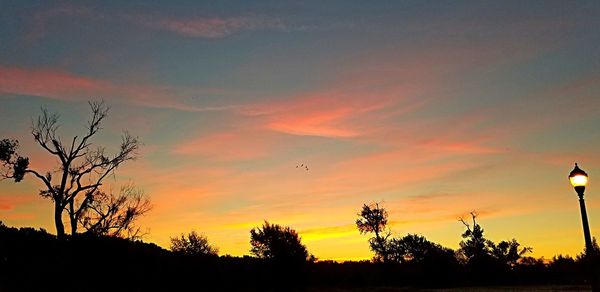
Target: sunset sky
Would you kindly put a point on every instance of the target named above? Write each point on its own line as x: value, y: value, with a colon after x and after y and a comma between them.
x: 435, y: 108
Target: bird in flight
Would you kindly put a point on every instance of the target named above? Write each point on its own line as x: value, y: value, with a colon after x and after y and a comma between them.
x: 302, y: 166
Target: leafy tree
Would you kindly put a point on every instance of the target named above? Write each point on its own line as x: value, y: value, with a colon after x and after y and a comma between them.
x: 487, y: 261
x: 593, y: 253
x: 81, y: 167
x: 474, y: 247
x: 374, y: 219
x: 414, y: 248
x: 193, y: 244
x: 14, y: 166
x: 278, y: 243
x: 508, y: 252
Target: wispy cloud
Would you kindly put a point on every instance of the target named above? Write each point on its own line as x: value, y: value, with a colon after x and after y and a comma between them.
x: 319, y: 115
x: 209, y: 27
x: 335, y: 111
x: 228, y: 146
x: 41, y: 19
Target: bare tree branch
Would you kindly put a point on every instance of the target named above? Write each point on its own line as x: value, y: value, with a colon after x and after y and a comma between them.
x: 114, y: 215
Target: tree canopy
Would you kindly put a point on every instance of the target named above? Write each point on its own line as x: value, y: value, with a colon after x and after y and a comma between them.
x: 193, y: 244
x: 277, y: 242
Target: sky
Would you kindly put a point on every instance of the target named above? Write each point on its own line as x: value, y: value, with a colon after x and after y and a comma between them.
x: 434, y: 108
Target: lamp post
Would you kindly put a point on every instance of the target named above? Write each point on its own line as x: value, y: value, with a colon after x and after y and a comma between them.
x: 579, y: 179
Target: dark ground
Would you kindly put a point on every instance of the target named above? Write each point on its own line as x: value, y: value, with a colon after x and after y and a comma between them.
x: 544, y: 288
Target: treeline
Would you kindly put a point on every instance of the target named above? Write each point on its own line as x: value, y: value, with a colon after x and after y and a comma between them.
x: 478, y: 260
x: 34, y: 260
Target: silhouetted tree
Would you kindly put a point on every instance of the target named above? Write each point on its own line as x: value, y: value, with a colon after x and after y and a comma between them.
x: 591, y: 260
x: 474, y: 247
x: 414, y: 248
x: 279, y: 243
x: 487, y: 261
x: 81, y: 169
x: 193, y: 244
x: 565, y: 269
x: 595, y: 252
x: 13, y: 165
x: 374, y: 219
x: 283, y: 256
x: 508, y: 252
x: 423, y: 262
x: 115, y: 215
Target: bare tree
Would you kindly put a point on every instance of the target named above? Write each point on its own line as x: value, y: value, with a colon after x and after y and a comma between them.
x: 82, y: 167
x: 374, y: 219
x: 115, y: 215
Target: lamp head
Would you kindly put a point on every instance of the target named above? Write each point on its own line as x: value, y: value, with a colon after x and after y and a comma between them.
x: 578, y: 179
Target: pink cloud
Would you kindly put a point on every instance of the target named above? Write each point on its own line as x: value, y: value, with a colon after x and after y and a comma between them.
x: 334, y: 113
x: 63, y: 85
x: 49, y: 83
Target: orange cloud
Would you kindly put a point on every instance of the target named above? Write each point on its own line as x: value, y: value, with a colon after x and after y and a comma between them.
x: 232, y: 145
x: 12, y: 201
x: 19, y: 216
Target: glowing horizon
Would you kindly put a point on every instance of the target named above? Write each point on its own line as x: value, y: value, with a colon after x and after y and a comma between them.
x: 435, y: 109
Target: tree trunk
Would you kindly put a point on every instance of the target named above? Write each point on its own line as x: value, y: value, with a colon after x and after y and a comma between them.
x: 73, y: 218
x: 60, y: 228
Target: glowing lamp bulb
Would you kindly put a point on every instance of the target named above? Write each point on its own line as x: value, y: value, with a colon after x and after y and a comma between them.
x: 578, y: 177
x: 578, y: 180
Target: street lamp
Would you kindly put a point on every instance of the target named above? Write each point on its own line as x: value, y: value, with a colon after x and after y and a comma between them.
x: 579, y: 179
